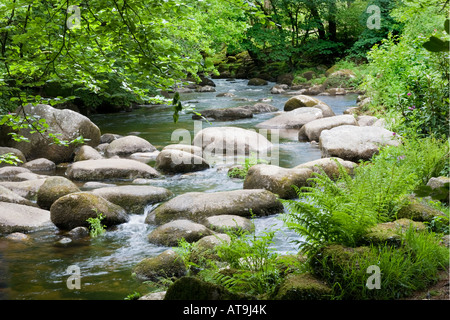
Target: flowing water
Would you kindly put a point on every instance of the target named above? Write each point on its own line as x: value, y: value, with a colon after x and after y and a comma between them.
x: 38, y: 269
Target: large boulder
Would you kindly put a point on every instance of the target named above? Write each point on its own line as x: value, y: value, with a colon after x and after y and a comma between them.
x: 7, y: 195
x: 300, y: 101
x: 312, y: 130
x: 231, y: 141
x: 22, y: 218
x: 126, y: 146
x: 197, y: 206
x: 74, y: 209
x: 66, y: 123
x: 171, y: 233
x: 177, y: 161
x: 53, y: 189
x: 134, y: 199
x: 110, y: 169
x: 294, y: 119
x: 224, y: 114
x: 276, y: 179
x: 167, y: 264
x: 355, y: 143
x: 329, y: 166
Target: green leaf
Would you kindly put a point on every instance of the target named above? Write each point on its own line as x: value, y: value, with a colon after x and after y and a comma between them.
x: 447, y: 26
x: 437, y: 45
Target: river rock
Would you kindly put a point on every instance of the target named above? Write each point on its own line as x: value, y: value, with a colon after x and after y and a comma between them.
x: 260, y: 108
x: 366, y: 121
x: 27, y: 189
x: 144, y: 157
x: 39, y: 165
x: 167, y: 264
x: 279, y: 89
x: 177, y: 161
x: 326, y: 109
x: 300, y: 101
x: 54, y: 188
x: 418, y: 211
x: 225, y: 114
x: 22, y: 218
x: 231, y: 141
x: 229, y: 222
x: 14, y: 152
x: 197, y: 206
x: 69, y: 124
x: 134, y: 199
x: 311, y: 131
x: 72, y: 210
x: 170, y: 233
x: 205, y: 89
x: 110, y: 169
x: 257, y: 82
x: 276, y: 179
x: 329, y: 166
x: 109, y: 137
x: 193, y: 288
x: 126, y: 146
x: 185, y: 147
x: 294, y: 119
x: 7, y: 195
x: 11, y: 173
x: 440, y: 184
x: 355, y: 143
x: 87, y: 153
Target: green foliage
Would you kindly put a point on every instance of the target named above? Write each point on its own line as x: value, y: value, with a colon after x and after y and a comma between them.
x: 339, y: 212
x: 10, y: 159
x: 95, y: 224
x: 133, y: 296
x: 241, y: 173
x: 407, y: 81
x: 413, y: 266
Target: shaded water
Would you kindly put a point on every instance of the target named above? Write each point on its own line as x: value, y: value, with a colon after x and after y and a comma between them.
x: 37, y: 270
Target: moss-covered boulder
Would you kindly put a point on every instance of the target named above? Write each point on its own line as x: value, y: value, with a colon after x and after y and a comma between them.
x: 53, y: 189
x: 171, y: 233
x: 418, y: 211
x: 74, y: 209
x: 257, y: 82
x: 134, y: 199
x: 335, y: 258
x: 300, y: 101
x: 167, y: 264
x: 276, y: 179
x: 390, y: 233
x: 302, y: 286
x: 192, y: 288
x: 205, y: 249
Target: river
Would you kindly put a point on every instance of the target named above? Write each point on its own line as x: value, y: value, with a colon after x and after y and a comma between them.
x: 38, y: 269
